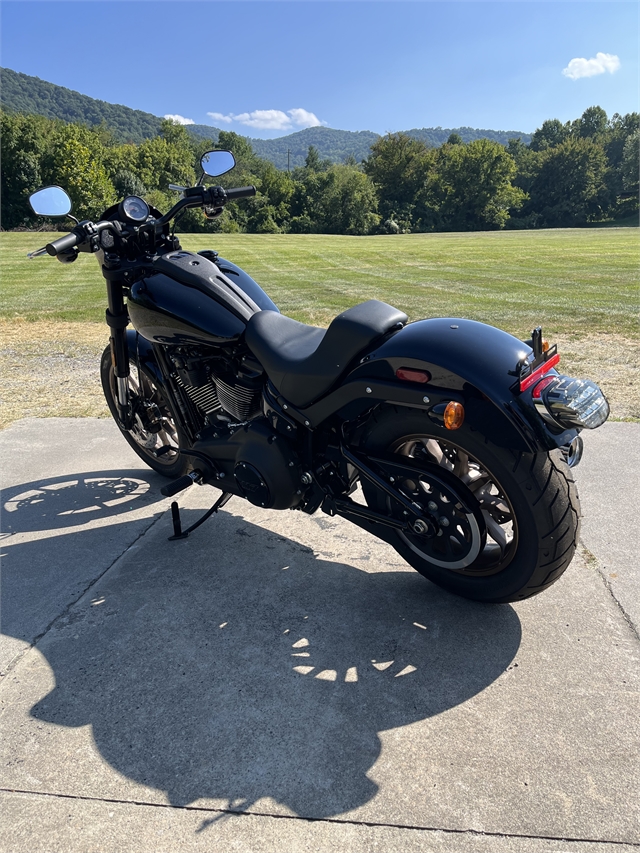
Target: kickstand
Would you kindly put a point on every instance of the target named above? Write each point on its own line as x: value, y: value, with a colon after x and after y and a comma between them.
x: 178, y: 532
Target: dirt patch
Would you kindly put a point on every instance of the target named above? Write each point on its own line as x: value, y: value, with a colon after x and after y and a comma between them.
x: 53, y: 369
x: 613, y: 362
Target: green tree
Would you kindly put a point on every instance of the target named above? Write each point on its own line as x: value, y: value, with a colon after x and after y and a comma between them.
x: 617, y: 148
x: 127, y: 183
x: 161, y: 163
x: 592, y: 123
x: 339, y: 200
x: 551, y: 133
x: 121, y: 158
x: 398, y: 166
x: 470, y: 187
x: 631, y: 162
x: 74, y: 162
x: 278, y: 189
x: 23, y: 142
x: 569, y: 187
x: 630, y: 175
x: 348, y: 202
x: 239, y: 146
x: 312, y: 161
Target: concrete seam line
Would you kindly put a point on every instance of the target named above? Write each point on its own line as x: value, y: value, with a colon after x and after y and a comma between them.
x: 374, y: 824
x: 33, y: 644
x: 592, y: 561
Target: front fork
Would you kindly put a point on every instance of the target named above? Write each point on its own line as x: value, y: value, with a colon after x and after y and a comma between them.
x: 118, y: 319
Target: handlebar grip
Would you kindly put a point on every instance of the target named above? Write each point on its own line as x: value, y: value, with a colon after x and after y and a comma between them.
x: 62, y: 244
x: 240, y: 192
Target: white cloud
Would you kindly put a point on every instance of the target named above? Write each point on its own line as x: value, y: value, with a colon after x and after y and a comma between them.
x: 265, y: 119
x: 180, y: 119
x: 220, y: 117
x: 590, y: 67
x: 302, y: 118
x: 271, y: 119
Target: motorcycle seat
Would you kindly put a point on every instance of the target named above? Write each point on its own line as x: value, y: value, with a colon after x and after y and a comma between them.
x: 303, y: 362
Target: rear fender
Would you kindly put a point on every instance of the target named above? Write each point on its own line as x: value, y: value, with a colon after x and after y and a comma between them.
x: 470, y: 362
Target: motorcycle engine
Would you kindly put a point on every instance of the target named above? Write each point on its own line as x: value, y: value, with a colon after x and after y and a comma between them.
x: 216, y: 392
x: 264, y: 465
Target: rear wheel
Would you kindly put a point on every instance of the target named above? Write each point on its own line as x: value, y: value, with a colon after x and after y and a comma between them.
x: 514, y: 528
x: 155, y: 423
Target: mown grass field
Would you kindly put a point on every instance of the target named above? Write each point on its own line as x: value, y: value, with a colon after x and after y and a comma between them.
x: 580, y: 284
x: 572, y: 281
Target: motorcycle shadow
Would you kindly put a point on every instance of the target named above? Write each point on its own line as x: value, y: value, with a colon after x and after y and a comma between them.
x: 237, y: 665
x: 73, y: 499
x: 60, y: 533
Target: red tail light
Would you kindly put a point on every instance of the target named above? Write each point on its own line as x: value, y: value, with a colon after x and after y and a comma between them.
x: 409, y: 375
x: 547, y: 380
x: 539, y: 372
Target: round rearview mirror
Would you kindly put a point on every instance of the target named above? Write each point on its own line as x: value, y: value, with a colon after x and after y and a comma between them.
x: 50, y: 201
x: 216, y: 163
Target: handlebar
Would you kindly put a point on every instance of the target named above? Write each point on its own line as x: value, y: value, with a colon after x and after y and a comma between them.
x: 204, y: 197
x: 80, y: 233
x: 240, y: 192
x: 62, y: 244
x: 194, y: 197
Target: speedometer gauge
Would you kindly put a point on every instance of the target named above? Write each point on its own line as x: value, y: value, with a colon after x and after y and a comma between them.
x: 134, y: 209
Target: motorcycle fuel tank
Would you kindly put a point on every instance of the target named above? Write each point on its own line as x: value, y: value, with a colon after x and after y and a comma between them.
x: 190, y: 301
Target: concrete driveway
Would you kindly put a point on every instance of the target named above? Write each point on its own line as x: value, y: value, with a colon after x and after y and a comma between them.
x: 279, y: 682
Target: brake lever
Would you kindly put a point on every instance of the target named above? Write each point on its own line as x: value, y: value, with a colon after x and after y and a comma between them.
x: 37, y: 253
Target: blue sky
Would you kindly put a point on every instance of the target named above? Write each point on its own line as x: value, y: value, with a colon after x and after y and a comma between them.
x: 268, y: 68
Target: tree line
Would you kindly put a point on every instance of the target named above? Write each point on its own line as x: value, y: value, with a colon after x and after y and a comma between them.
x: 568, y: 175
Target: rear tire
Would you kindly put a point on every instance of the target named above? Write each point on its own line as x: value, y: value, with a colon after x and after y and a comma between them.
x: 529, y: 502
x: 156, y: 422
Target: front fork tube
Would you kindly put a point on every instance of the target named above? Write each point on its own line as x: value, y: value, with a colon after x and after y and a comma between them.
x: 118, y: 320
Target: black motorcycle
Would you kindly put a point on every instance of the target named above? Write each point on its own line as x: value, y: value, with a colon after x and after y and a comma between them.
x: 448, y: 438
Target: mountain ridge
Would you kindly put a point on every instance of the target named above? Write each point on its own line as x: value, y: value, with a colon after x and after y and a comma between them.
x: 26, y: 94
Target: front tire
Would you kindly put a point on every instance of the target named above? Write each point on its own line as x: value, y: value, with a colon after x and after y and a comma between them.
x: 156, y: 424
x: 527, y: 504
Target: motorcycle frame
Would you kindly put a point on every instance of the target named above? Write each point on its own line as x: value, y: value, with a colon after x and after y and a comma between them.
x: 478, y: 367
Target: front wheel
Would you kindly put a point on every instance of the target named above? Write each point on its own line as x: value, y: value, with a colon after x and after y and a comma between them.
x: 519, y: 529
x: 155, y: 423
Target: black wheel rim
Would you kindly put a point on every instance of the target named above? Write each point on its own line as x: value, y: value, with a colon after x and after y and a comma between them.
x: 154, y: 424
x: 501, y: 531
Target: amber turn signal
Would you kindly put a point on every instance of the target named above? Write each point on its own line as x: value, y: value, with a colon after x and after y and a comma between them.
x: 454, y: 415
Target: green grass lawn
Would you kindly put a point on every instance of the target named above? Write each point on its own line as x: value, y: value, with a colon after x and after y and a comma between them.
x: 574, y: 281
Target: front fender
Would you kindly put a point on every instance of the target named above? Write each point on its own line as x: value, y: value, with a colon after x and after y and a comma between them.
x: 142, y: 350
x: 477, y: 363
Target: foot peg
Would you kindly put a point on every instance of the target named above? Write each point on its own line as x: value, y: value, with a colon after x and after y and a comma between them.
x: 181, y: 483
